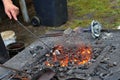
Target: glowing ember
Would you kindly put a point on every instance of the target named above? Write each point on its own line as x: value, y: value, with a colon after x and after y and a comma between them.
x: 77, y: 55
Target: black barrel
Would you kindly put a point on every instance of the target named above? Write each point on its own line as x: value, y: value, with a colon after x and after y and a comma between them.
x: 51, y: 12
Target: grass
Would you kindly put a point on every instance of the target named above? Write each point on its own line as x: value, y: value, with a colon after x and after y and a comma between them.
x: 82, y: 12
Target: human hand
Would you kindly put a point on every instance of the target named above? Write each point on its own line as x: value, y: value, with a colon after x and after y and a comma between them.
x: 10, y: 9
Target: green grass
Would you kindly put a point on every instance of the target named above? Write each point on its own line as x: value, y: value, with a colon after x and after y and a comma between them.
x: 82, y: 12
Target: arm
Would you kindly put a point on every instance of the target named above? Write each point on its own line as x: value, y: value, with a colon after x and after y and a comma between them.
x: 10, y: 9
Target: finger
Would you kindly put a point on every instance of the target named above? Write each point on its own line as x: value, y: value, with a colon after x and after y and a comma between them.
x: 16, y: 10
x: 15, y: 17
x: 14, y: 14
x: 8, y: 14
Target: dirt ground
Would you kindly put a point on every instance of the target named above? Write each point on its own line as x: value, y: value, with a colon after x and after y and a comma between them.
x: 108, y: 20
x: 21, y: 33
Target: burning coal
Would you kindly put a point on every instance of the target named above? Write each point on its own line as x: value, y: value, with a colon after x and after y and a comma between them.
x: 65, y: 56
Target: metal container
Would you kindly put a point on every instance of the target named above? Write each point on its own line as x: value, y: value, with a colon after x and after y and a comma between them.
x: 15, y: 48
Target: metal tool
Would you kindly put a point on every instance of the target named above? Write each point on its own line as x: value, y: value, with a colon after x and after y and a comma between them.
x: 96, y: 29
x: 13, y: 69
x: 35, y: 36
x: 6, y: 74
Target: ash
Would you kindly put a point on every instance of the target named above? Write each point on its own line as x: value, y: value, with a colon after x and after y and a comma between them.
x: 104, y: 64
